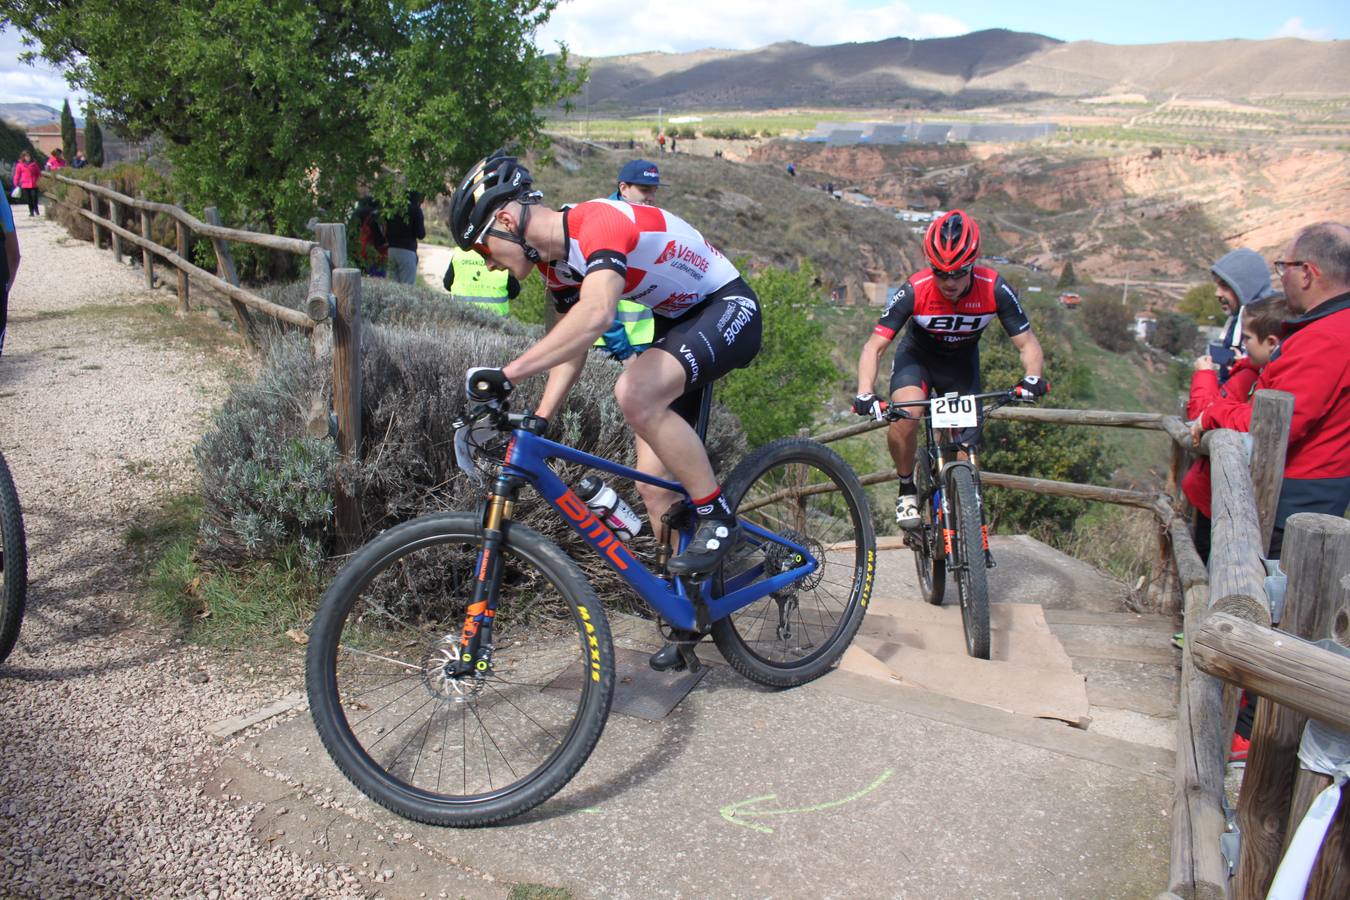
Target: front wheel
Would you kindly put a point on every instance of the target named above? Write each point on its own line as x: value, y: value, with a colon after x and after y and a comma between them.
x: 972, y: 578
x: 13, y: 563
x: 805, y: 492
x: 446, y: 749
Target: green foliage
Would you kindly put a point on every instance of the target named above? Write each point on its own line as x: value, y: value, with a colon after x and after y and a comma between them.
x: 730, y: 134
x: 782, y: 390
x: 1040, y: 451
x: 93, y: 139
x: 531, y: 304
x: 69, y: 139
x: 274, y: 111
x: 1175, y: 333
x: 1201, y: 303
x: 1067, y: 278
x: 1109, y: 322
x: 416, y: 346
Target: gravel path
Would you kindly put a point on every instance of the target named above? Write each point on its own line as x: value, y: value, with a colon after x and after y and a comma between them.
x: 102, y: 714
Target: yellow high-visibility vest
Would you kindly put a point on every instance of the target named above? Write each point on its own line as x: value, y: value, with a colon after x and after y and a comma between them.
x: 638, y: 324
x: 476, y: 283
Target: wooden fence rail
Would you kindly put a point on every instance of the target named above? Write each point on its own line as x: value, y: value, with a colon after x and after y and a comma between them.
x: 332, y: 314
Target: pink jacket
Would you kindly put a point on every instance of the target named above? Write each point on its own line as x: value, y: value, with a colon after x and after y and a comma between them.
x: 54, y: 163
x: 26, y: 174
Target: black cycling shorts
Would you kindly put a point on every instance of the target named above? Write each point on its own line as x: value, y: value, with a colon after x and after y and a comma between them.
x: 940, y: 374
x: 721, y: 334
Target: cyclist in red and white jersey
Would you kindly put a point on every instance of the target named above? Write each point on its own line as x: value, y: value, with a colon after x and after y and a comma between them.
x: 707, y: 323
x: 947, y: 306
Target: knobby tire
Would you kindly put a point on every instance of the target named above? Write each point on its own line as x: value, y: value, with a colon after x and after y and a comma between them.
x: 448, y: 751
x: 972, y: 579
x: 798, y: 635
x: 929, y: 560
x: 13, y: 563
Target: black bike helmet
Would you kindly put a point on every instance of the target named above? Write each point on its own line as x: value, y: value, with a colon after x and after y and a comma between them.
x: 490, y: 185
x: 952, y: 242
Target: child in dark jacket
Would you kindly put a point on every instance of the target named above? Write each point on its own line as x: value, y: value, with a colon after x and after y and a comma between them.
x: 1262, y: 326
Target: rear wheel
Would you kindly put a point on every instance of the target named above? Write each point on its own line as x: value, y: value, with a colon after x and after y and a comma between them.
x: 458, y: 750
x: 929, y: 559
x: 972, y: 578
x: 13, y: 563
x: 806, y: 493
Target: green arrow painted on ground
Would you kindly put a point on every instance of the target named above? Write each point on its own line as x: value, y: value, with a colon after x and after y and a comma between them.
x: 731, y: 810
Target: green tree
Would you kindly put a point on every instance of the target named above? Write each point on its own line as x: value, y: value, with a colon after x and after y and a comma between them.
x: 275, y: 111
x: 782, y: 390
x: 69, y: 143
x: 1067, y: 278
x: 93, y: 138
x: 1201, y: 303
x: 1037, y: 450
x: 1109, y: 323
x: 1175, y: 333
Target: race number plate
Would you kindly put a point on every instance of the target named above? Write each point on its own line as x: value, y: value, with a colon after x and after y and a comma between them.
x: 954, y: 411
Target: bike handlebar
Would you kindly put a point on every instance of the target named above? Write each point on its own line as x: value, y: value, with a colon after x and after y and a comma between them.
x: 896, y: 411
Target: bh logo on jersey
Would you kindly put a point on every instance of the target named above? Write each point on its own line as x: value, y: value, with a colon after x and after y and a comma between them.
x: 682, y: 257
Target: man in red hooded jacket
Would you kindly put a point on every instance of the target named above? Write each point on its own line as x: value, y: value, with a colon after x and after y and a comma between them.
x: 1313, y: 365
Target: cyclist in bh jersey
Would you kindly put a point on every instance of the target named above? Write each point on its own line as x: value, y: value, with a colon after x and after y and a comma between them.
x: 707, y: 324
x: 947, y: 307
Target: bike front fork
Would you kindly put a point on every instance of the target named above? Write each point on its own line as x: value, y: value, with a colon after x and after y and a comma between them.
x: 474, y: 655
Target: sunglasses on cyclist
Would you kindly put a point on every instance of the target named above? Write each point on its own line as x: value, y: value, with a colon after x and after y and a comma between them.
x: 954, y: 275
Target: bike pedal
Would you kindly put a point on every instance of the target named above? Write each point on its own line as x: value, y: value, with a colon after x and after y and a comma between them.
x: 989, y: 560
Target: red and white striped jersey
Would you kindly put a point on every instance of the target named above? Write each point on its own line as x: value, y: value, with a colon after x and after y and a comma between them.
x: 666, y: 264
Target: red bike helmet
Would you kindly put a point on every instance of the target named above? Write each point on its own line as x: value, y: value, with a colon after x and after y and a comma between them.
x: 952, y: 242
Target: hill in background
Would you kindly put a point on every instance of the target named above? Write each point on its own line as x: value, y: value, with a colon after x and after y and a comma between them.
x: 28, y: 114
x: 981, y: 68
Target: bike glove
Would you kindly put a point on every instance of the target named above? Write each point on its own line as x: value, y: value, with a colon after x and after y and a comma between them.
x: 870, y: 405
x: 483, y: 384
x: 1031, y: 387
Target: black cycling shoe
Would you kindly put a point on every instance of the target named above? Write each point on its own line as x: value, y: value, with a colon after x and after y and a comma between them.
x: 667, y: 658
x: 713, y: 540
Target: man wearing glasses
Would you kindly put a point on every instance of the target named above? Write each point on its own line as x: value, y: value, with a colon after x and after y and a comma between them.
x: 707, y: 323
x: 1311, y: 363
x: 947, y: 306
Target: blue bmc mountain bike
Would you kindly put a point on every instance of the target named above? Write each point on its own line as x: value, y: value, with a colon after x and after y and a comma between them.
x: 460, y: 667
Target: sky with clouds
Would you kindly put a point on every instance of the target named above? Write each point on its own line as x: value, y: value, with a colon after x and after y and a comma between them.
x: 611, y: 27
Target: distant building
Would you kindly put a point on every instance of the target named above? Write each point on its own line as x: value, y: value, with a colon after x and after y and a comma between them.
x: 1145, y: 324
x: 47, y: 137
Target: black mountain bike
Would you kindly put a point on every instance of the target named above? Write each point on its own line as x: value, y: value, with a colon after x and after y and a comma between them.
x: 952, y: 532
x: 13, y: 563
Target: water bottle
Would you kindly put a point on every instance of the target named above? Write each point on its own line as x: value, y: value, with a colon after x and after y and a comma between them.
x: 609, y: 507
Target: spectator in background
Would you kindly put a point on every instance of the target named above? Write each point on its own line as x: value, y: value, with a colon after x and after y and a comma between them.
x: 1313, y: 365
x: 9, y: 263
x: 56, y: 161
x: 661, y: 141
x: 792, y: 169
x: 634, y: 328
x: 1240, y: 277
x: 1262, y: 326
x: 79, y: 162
x: 372, y: 247
x: 469, y: 280
x: 402, y: 232
x: 27, y: 173
x: 672, y: 143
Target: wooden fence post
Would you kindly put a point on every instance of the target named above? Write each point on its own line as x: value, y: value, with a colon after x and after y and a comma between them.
x: 1316, y: 556
x: 225, y: 269
x: 147, y: 258
x: 1271, y: 412
x: 347, y: 395
x: 183, y: 244
x: 115, y: 214
x: 93, y: 208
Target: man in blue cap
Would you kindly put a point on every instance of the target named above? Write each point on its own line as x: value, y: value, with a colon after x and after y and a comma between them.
x: 633, y: 328
x: 638, y: 182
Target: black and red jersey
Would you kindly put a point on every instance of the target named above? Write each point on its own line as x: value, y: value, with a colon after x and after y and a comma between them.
x: 940, y: 325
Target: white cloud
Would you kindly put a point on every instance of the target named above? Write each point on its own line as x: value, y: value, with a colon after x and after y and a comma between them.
x: 37, y: 83
x: 1295, y: 28
x: 613, y: 27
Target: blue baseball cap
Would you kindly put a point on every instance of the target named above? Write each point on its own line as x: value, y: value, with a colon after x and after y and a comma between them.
x: 639, y: 171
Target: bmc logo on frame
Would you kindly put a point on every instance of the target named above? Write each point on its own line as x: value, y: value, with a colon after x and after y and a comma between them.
x: 684, y: 254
